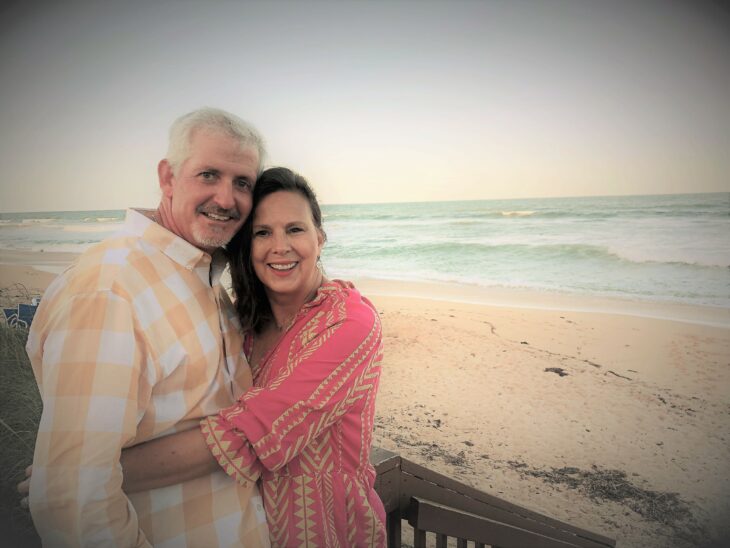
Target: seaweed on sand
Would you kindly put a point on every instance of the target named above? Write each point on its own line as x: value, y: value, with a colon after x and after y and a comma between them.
x: 613, y: 485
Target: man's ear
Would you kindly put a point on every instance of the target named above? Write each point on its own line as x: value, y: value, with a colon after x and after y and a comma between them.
x: 165, y: 176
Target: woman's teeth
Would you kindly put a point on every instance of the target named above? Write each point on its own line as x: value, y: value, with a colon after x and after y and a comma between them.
x: 287, y: 266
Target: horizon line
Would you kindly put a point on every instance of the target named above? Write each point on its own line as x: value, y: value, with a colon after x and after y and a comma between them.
x: 410, y: 202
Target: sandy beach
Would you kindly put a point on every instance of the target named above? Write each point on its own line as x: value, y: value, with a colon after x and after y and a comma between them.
x: 501, y: 398
x: 539, y: 398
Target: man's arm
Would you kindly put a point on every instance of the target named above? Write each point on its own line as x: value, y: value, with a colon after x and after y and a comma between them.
x: 90, y: 364
x: 166, y: 461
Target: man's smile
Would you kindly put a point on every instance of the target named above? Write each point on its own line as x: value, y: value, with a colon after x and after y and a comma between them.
x: 217, y: 217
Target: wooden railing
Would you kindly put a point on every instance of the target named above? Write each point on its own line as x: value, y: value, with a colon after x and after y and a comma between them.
x: 434, y: 503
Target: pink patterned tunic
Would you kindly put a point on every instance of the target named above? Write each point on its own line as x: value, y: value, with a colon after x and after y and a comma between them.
x: 306, y: 426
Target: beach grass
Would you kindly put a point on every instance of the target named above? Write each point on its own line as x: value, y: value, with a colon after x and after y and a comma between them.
x: 20, y: 411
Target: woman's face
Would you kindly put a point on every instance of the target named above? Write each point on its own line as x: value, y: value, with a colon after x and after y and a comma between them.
x: 285, y: 245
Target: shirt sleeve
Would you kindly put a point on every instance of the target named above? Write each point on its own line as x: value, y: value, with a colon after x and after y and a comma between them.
x: 90, y: 367
x: 323, y: 379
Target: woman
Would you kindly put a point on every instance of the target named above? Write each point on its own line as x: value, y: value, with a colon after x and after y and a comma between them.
x: 305, y: 428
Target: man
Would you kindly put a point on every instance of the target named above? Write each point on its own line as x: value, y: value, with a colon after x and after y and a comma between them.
x: 137, y: 340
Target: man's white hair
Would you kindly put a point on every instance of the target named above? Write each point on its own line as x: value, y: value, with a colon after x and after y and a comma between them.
x: 213, y: 119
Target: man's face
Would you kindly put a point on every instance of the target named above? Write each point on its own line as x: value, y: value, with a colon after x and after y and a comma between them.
x: 210, y: 197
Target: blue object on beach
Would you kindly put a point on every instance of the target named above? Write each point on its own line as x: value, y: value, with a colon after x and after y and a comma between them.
x: 26, y: 312
x: 11, y: 315
x: 20, y: 316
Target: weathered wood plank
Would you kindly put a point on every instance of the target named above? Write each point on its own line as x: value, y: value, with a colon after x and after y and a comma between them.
x: 393, y: 528
x: 387, y: 482
x: 419, y: 538
x: 383, y: 460
x: 441, y: 519
x: 422, y: 482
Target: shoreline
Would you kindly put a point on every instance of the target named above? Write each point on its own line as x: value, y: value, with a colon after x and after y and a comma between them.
x: 46, y: 265
x: 711, y: 316
x: 50, y: 262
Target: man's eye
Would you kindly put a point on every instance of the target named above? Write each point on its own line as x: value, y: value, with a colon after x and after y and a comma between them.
x: 243, y: 184
x: 207, y: 175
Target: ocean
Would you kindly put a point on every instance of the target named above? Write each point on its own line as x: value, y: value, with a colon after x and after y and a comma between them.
x: 670, y: 248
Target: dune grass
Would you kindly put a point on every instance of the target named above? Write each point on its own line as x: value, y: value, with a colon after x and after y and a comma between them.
x: 20, y: 411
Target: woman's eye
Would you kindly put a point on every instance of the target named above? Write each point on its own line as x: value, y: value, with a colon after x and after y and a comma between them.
x: 258, y: 233
x: 296, y: 229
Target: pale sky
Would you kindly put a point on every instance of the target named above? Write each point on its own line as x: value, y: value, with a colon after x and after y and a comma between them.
x: 371, y: 101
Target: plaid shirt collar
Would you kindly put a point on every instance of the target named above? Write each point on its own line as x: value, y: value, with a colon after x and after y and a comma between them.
x: 208, y: 267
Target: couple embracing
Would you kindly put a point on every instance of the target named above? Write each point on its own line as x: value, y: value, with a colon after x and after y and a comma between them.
x: 172, y: 417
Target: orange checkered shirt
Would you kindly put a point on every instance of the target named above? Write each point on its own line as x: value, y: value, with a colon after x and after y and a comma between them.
x: 136, y: 340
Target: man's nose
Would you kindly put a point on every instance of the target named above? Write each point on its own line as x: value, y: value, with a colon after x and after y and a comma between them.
x: 224, y: 195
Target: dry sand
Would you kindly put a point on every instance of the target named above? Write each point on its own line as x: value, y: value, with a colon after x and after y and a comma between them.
x: 476, y: 393
x: 19, y: 282
x: 537, y: 398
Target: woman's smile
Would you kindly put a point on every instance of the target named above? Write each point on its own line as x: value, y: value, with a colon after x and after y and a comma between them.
x: 283, y: 268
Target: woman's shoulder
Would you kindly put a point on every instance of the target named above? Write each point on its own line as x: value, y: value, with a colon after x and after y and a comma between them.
x: 346, y: 302
x: 342, y: 291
